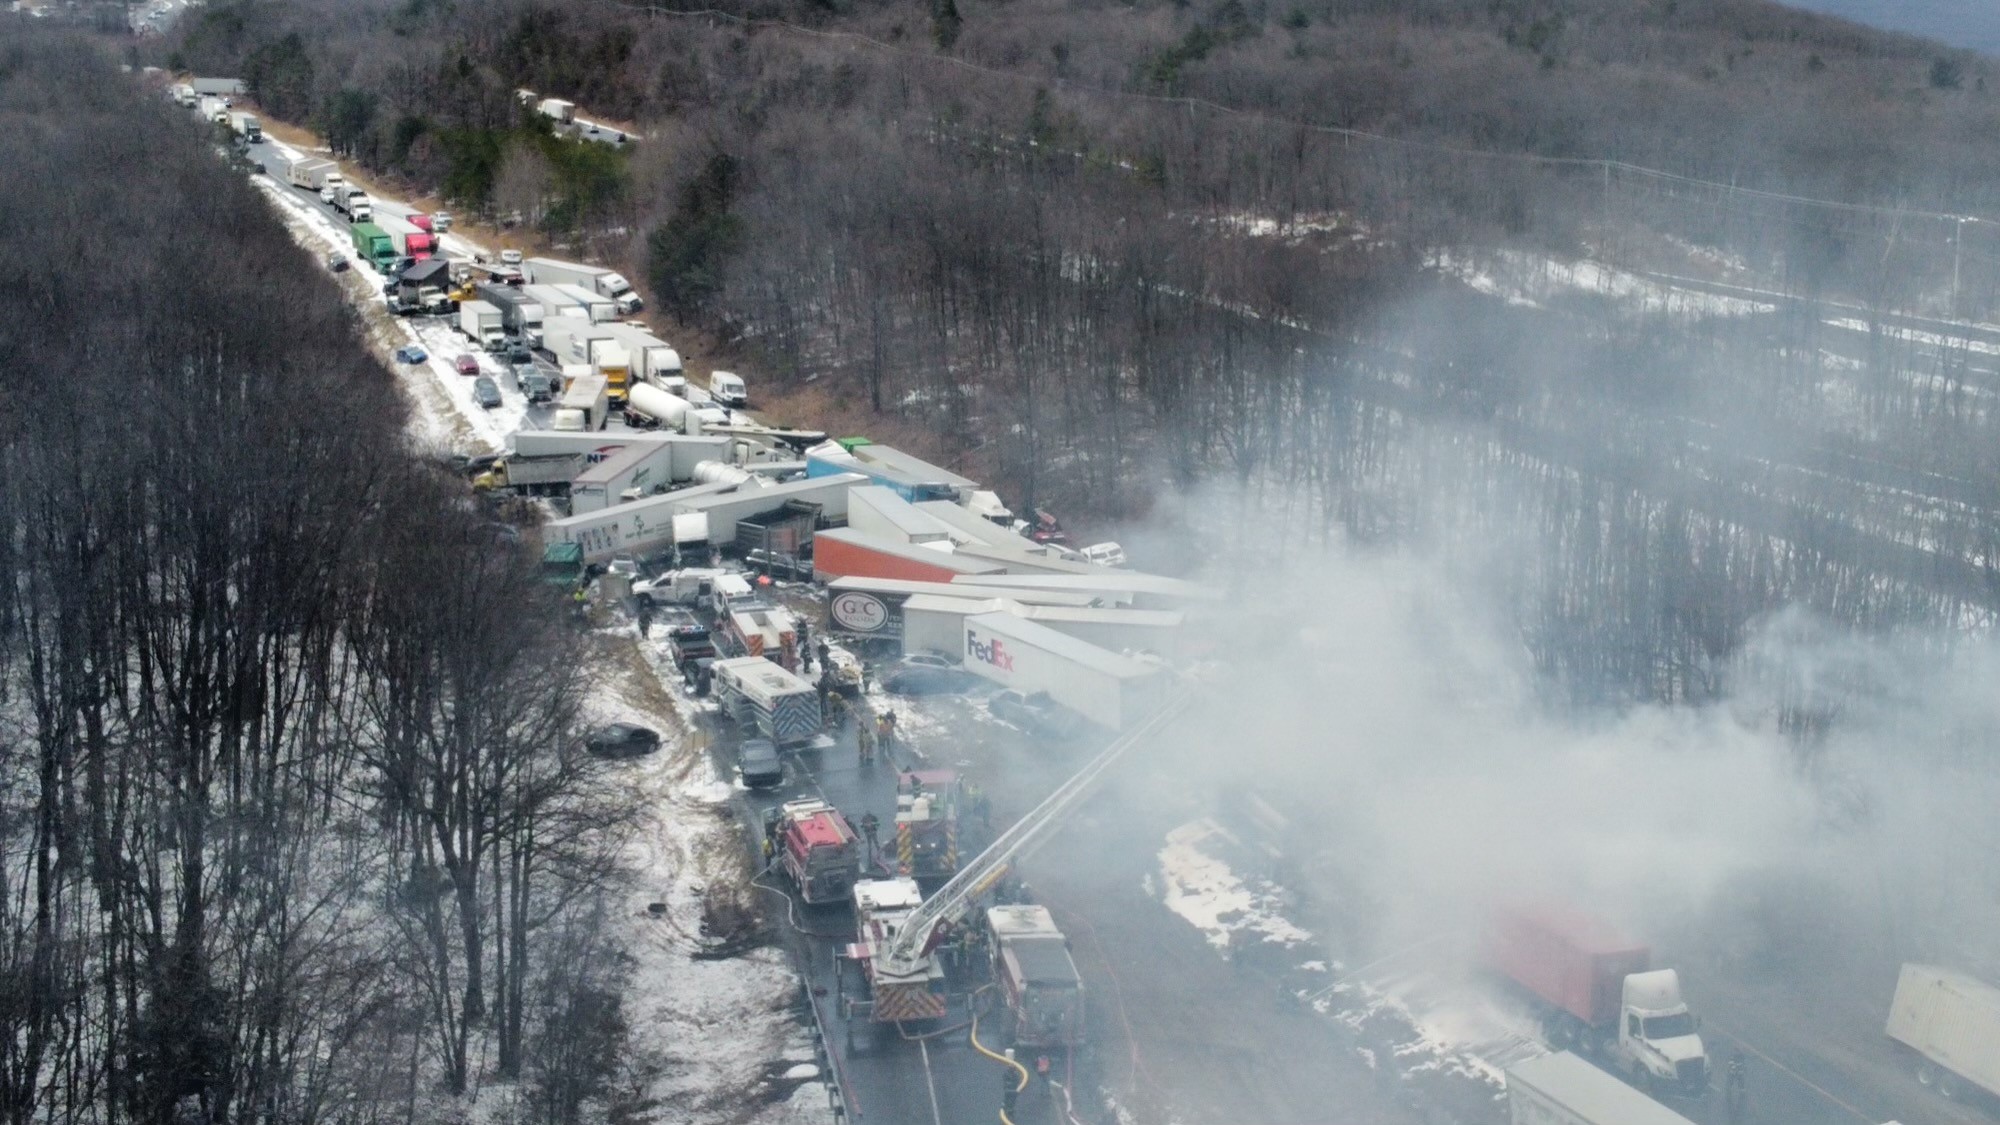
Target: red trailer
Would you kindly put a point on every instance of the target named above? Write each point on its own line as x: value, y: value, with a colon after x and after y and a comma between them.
x: 1568, y: 959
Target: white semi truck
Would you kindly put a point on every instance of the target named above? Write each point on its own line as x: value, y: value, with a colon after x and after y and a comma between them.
x: 598, y: 280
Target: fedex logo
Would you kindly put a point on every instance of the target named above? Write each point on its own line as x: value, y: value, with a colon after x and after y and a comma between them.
x: 988, y: 652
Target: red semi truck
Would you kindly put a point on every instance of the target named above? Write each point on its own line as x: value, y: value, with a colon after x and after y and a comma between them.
x: 1597, y: 991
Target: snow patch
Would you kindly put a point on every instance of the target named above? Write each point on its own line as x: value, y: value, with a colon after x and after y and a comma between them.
x: 1214, y: 899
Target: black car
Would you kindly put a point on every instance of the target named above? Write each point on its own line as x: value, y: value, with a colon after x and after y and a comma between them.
x: 517, y: 352
x: 1037, y: 714
x: 622, y: 740
x: 759, y: 764
x: 336, y: 263
x: 924, y: 674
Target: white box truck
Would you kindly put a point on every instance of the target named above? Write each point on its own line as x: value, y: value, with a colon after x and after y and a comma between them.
x: 597, y: 309
x: 556, y: 109
x: 596, y: 279
x: 1951, y: 1023
x: 305, y: 172
x: 1562, y: 1089
x: 481, y: 323
x: 783, y: 707
x: 653, y: 360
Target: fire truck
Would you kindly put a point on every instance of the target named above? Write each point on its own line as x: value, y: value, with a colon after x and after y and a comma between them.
x: 816, y: 847
x: 917, y: 992
x: 1036, y: 977
x: 927, y: 803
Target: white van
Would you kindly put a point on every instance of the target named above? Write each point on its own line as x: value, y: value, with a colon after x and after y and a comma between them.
x: 726, y: 387
x: 1104, y: 554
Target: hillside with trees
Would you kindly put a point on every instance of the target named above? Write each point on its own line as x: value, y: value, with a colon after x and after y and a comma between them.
x: 1104, y: 253
x: 294, y: 819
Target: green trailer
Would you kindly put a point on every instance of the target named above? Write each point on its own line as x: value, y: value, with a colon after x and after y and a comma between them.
x: 373, y: 244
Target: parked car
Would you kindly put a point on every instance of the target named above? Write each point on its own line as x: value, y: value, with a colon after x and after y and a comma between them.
x: 517, y: 352
x: 411, y: 353
x: 465, y: 365
x: 622, y: 740
x: 440, y: 221
x: 1037, y: 714
x: 758, y: 762
x: 486, y: 392
x: 924, y: 674
x: 336, y: 262
x: 523, y: 372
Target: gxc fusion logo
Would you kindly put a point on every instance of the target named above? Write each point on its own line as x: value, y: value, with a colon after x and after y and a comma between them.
x: 988, y: 652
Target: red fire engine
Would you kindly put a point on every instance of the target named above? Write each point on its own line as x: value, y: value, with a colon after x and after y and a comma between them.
x: 816, y: 847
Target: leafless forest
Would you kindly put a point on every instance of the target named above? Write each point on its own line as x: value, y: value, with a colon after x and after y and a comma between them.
x: 290, y: 816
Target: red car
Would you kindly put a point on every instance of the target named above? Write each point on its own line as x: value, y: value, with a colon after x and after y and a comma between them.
x: 466, y: 365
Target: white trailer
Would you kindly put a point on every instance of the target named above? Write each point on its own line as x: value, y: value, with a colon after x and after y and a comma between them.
x: 1562, y: 1089
x: 558, y: 110
x: 1156, y: 631
x: 724, y: 509
x: 881, y: 513
x: 639, y: 529
x: 1951, y: 1021
x: 481, y: 323
x: 245, y: 125
x: 585, y: 406
x: 603, y: 282
x: 599, y: 309
x: 653, y: 359
x: 632, y: 473
x: 567, y: 337
x: 684, y: 453
x: 933, y: 623
x: 558, y: 302
x: 212, y: 110
x: 968, y: 526
x: 1108, y: 689
x: 784, y: 708
x: 307, y: 172
x: 1124, y: 587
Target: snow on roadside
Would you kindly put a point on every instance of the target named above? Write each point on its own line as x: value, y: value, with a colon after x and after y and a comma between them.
x: 714, y: 1036
x: 1214, y: 899
x: 1532, y: 280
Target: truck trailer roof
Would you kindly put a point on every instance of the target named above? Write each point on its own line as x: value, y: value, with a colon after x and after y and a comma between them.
x: 1587, y: 1093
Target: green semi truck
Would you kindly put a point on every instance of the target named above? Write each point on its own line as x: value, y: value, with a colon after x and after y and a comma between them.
x: 373, y: 244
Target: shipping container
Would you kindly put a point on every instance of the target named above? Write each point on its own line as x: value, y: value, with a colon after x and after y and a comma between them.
x: 1569, y: 960
x: 1110, y: 690
x: 845, y: 552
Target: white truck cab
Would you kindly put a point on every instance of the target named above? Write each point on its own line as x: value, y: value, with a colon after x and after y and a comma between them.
x: 1658, y: 1045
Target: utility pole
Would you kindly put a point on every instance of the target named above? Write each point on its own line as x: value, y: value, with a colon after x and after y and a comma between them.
x: 1957, y: 241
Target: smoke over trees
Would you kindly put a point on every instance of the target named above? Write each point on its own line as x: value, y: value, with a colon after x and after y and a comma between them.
x: 291, y: 807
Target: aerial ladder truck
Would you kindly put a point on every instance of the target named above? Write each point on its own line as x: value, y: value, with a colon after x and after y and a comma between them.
x: 899, y: 932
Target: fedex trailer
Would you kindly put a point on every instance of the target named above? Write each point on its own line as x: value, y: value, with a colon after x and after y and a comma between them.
x: 1110, y: 690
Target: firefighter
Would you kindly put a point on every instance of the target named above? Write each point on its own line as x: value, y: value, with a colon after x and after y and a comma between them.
x: 770, y: 849
x: 864, y: 738
x: 982, y: 809
x: 645, y: 618
x: 1735, y: 1094
x: 869, y: 825
x: 885, y: 731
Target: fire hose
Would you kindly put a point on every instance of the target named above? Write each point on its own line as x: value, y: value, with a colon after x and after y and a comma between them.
x: 1020, y: 1070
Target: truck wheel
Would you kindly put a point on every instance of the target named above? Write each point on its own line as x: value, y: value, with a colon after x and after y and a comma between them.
x: 1927, y: 1074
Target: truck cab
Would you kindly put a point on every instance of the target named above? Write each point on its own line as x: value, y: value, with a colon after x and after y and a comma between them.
x: 817, y: 848
x: 1658, y: 1044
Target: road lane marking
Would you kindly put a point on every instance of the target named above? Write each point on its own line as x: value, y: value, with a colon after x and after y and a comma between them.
x: 1795, y: 1075
x: 930, y: 1082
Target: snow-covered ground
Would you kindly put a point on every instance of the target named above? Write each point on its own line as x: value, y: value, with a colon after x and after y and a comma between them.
x: 1533, y: 280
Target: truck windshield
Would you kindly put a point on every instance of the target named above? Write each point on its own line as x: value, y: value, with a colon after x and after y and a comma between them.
x: 1669, y: 1027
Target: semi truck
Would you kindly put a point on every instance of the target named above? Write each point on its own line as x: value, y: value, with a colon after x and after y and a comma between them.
x: 520, y: 314
x: 596, y: 279
x: 584, y: 406
x: 480, y: 322
x: 550, y: 474
x: 754, y: 691
x: 1596, y: 991
x: 653, y: 360
x: 638, y: 470
x: 212, y: 110
x: 1562, y: 1089
x: 587, y: 303
x: 1036, y: 977
x: 373, y: 246
x: 558, y: 110
x: 1950, y: 1023
x: 328, y: 181
x: 410, y: 241
x: 816, y: 846
x: 647, y: 405
x: 244, y: 125
x: 355, y: 204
